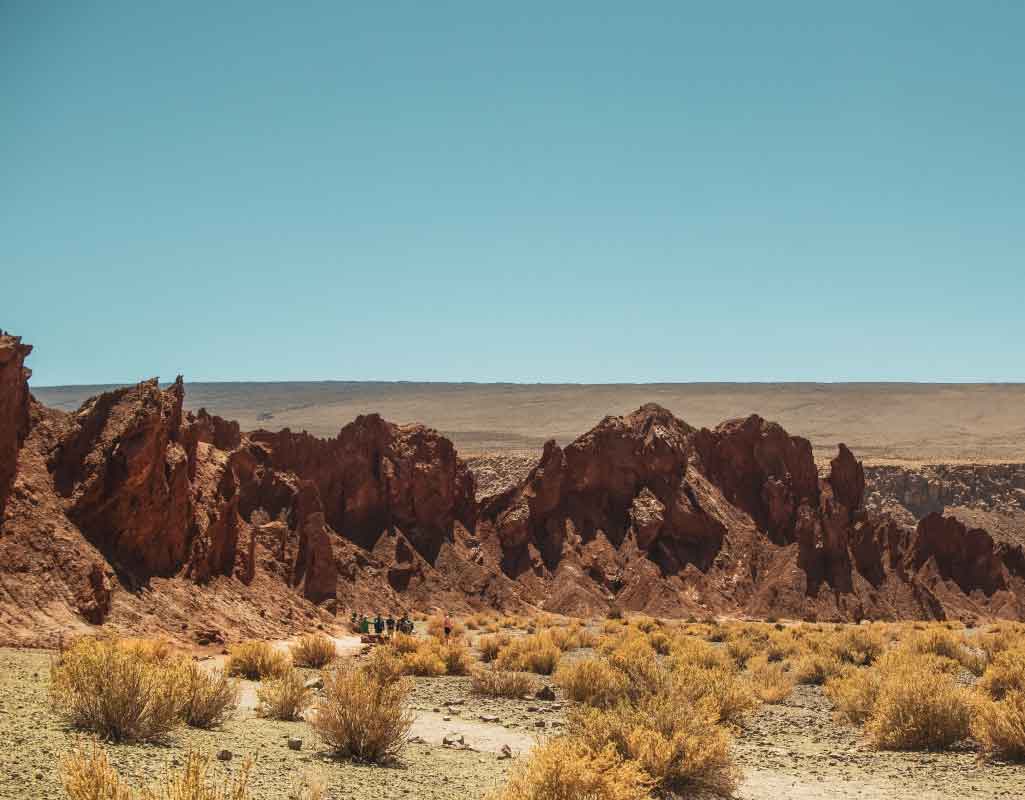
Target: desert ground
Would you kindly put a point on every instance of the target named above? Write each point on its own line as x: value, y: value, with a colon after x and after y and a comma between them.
x: 756, y: 722
x: 881, y: 422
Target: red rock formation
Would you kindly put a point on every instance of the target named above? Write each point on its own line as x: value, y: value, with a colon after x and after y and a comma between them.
x: 14, y: 408
x: 132, y: 514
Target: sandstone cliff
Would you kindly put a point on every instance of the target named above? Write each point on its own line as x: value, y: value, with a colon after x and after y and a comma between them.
x: 132, y: 513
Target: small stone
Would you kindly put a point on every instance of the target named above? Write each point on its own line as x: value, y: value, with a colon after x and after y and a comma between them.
x: 506, y: 752
x: 295, y: 743
x: 539, y: 724
x: 545, y: 693
x: 488, y: 718
x: 315, y: 683
x: 224, y: 755
x: 446, y: 719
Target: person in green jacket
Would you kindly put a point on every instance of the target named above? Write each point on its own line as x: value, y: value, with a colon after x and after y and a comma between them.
x: 364, y: 624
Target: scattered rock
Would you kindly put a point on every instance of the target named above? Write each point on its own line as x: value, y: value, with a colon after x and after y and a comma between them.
x: 224, y: 755
x: 295, y: 743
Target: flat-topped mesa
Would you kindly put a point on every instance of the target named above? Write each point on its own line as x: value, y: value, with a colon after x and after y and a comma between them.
x: 14, y: 408
x: 375, y: 475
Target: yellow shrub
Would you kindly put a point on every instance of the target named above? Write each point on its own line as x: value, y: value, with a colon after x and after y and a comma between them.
x: 116, y: 692
x: 490, y: 645
x: 815, y: 668
x: 859, y: 645
x: 565, y: 769
x: 362, y: 718
x: 719, y: 694
x: 693, y: 652
x: 285, y: 697
x: 919, y: 712
x: 209, y: 697
x: 1005, y: 673
x: 149, y: 649
x: 500, y: 683
x: 1000, y: 726
x: 456, y: 657
x: 257, y: 660
x: 854, y: 694
x: 90, y: 776
x: 660, y: 642
x: 593, y: 681
x: 533, y: 653
x: 769, y: 680
x: 636, y: 659
x: 383, y: 665
x: 681, y: 753
x: 425, y: 662
x: 741, y: 650
x: 314, y: 650
x: 403, y: 643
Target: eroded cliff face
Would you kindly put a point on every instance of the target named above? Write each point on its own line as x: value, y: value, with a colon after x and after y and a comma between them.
x: 14, y: 408
x: 134, y: 514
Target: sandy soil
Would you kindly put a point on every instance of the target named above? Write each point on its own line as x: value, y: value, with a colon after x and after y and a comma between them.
x: 881, y: 422
x: 792, y: 750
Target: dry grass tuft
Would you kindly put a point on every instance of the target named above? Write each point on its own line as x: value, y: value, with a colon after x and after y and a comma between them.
x: 1005, y: 673
x: 1000, y: 726
x: 919, y: 712
x: 533, y: 653
x: 285, y: 697
x: 116, y: 692
x: 90, y: 776
x: 566, y: 769
x: 383, y: 665
x: 593, y: 681
x: 210, y: 697
x: 363, y: 718
x: 769, y: 680
x: 490, y: 646
x: 314, y: 650
x: 257, y: 660
x: 501, y: 683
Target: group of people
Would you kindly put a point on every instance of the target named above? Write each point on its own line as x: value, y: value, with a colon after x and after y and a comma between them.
x: 363, y: 624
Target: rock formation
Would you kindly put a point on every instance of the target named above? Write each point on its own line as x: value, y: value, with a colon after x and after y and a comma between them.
x: 132, y: 513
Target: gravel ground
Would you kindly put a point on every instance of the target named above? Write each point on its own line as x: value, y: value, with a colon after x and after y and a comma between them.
x: 792, y: 750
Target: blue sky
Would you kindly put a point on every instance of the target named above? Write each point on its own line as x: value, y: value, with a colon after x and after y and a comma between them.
x: 574, y: 191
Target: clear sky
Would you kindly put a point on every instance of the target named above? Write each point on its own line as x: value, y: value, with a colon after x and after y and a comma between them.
x: 531, y: 191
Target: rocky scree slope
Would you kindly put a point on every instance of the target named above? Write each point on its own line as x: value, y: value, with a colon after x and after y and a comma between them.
x: 132, y: 514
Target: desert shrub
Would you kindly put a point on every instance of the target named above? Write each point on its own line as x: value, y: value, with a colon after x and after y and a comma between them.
x: 636, y: 659
x: 718, y: 694
x: 403, y: 643
x: 741, y: 650
x: 533, y: 653
x: 88, y: 775
x: 859, y: 646
x: 1004, y: 674
x: 943, y: 643
x: 489, y: 646
x: 501, y: 683
x: 1000, y: 726
x: 815, y: 668
x: 362, y: 718
x: 209, y: 697
x: 645, y: 624
x: 436, y: 628
x: 680, y: 751
x: 660, y: 642
x: 693, y: 652
x: 456, y: 657
x: 116, y: 692
x: 1000, y: 638
x: 769, y: 680
x: 153, y: 650
x: 257, y: 660
x: 314, y: 650
x: 191, y: 783
x: 854, y: 694
x: 285, y: 697
x: 566, y: 769
x: 919, y: 711
x: 593, y: 681
x: 383, y: 665
x: 425, y: 662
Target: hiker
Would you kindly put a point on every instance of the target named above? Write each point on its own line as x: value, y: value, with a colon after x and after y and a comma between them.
x: 390, y: 622
x: 448, y: 626
x: 364, y: 625
x: 405, y: 626
x: 354, y: 620
x: 378, y: 625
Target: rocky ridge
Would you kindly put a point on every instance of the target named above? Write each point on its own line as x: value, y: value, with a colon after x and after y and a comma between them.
x: 135, y: 514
